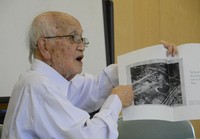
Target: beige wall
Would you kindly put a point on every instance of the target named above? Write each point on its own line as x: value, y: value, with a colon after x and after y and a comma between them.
x: 141, y: 23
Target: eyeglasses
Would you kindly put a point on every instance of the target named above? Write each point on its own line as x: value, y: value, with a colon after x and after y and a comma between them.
x: 76, y: 39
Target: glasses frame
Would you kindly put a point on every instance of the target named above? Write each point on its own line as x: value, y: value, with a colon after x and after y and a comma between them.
x: 79, y: 41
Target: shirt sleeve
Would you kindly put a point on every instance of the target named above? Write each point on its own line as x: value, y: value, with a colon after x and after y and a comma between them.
x: 90, y: 92
x: 55, y: 117
x: 112, y: 74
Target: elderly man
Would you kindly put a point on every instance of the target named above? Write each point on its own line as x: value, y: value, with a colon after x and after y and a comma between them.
x: 50, y: 101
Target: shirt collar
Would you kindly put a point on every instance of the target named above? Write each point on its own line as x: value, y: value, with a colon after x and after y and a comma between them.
x: 51, y: 74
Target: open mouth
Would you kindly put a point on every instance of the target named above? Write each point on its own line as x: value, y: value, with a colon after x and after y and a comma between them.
x: 79, y: 58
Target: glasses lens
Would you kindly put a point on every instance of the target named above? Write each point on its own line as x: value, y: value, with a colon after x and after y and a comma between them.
x: 78, y: 39
x: 85, y: 41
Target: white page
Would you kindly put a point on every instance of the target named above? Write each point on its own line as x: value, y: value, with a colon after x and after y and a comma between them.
x: 170, y: 110
x: 153, y: 112
x: 191, y: 73
x: 191, y: 61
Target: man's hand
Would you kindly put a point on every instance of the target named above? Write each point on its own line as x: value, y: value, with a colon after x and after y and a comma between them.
x: 171, y: 48
x: 125, y: 94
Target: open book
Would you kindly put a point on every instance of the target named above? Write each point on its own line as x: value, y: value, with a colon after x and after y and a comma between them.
x: 166, y: 88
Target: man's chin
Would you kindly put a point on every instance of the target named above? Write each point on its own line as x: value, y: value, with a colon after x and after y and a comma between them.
x: 79, y: 70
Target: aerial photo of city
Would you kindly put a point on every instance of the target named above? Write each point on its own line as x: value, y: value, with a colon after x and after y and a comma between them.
x: 157, y: 83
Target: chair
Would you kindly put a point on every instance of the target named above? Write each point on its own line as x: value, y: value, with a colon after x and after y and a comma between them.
x: 155, y: 129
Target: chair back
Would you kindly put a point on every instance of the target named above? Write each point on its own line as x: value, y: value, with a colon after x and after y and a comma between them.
x: 155, y: 129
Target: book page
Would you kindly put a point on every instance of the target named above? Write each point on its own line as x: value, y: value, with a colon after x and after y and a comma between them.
x: 158, y: 82
x: 190, y: 54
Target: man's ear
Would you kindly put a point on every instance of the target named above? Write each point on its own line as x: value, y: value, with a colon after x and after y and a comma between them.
x: 44, y: 49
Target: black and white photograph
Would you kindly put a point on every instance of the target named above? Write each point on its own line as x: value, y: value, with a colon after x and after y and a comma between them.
x: 156, y: 83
